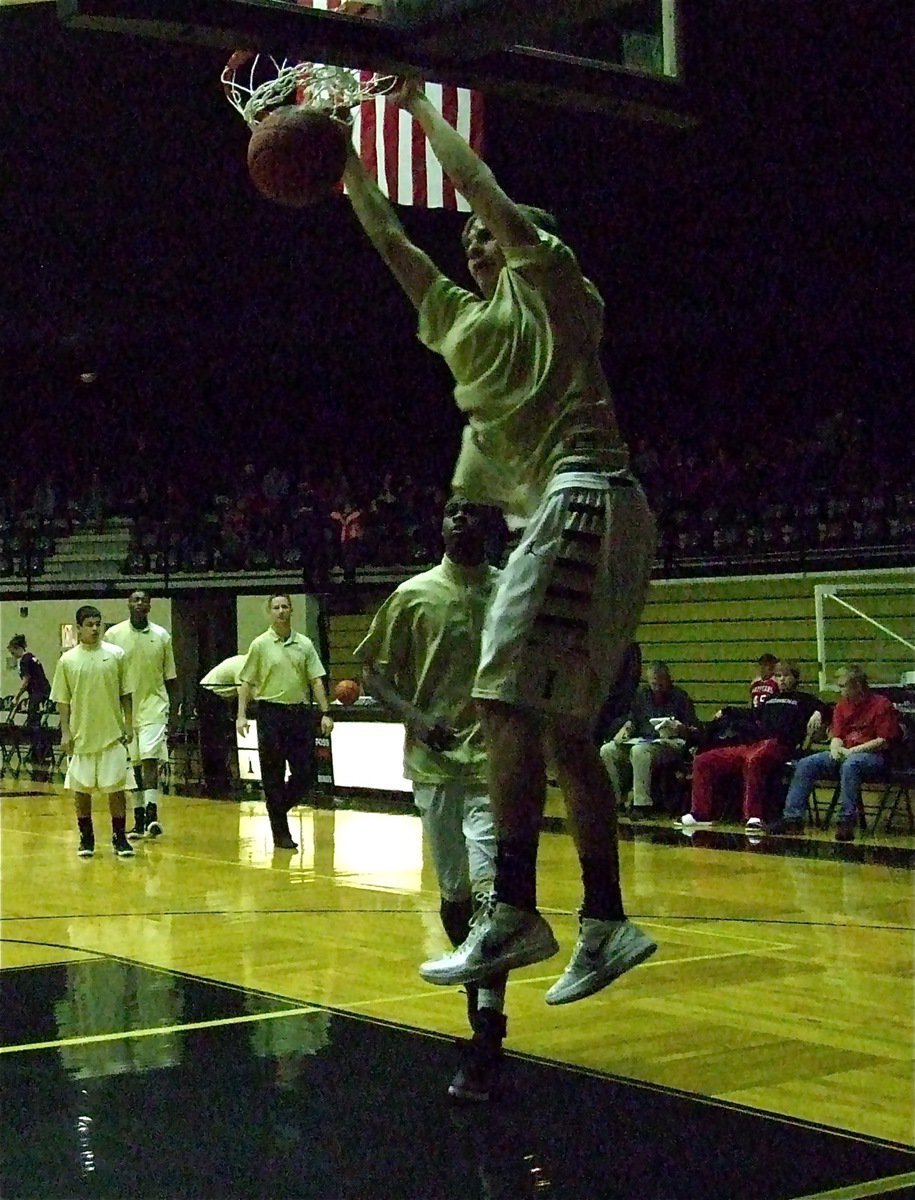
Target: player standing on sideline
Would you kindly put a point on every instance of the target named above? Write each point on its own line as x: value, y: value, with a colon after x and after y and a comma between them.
x: 419, y: 658
x: 542, y: 444
x: 282, y: 671
x: 92, y: 696
x: 151, y: 677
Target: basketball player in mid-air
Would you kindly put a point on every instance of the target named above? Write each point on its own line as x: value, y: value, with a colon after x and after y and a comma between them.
x: 542, y: 443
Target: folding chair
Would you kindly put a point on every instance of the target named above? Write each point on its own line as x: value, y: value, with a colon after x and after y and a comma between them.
x: 12, y: 735
x: 896, y: 793
x: 834, y: 804
x: 7, y: 733
x: 185, y: 758
x: 50, y: 735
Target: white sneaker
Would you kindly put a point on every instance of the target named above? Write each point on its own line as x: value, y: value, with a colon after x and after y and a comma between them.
x: 500, y: 939
x: 605, y: 950
x: 754, y: 824
x: 690, y: 821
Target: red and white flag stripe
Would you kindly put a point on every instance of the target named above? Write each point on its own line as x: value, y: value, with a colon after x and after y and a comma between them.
x: 394, y: 148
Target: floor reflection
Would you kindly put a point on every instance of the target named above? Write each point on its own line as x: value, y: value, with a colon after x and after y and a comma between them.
x: 191, y: 1089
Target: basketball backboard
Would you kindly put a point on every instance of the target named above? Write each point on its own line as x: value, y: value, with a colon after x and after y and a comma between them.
x: 627, y: 61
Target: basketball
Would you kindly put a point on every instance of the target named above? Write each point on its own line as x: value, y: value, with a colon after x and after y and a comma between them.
x: 347, y: 691
x: 296, y: 156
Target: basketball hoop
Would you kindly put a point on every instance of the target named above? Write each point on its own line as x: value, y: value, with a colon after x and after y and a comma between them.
x: 255, y: 84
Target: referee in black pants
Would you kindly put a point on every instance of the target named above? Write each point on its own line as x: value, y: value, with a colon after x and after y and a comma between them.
x: 282, y: 672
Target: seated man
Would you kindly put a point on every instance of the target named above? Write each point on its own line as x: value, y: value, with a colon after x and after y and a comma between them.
x: 863, y: 725
x: 776, y: 730
x: 661, y: 722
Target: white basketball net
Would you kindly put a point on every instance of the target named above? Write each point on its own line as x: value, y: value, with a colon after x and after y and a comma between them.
x: 256, y: 83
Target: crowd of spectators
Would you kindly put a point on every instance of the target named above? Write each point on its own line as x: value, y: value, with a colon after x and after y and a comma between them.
x: 820, y: 497
x: 37, y: 508
x: 274, y: 520
x: 722, y: 500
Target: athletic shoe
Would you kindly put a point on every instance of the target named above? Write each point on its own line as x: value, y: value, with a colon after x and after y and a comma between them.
x: 476, y: 1078
x: 845, y: 831
x: 86, y: 845
x: 122, y: 847
x: 754, y: 825
x: 139, y: 823
x: 502, y: 938
x: 604, y: 951
x: 786, y: 825
x: 690, y: 822
x: 153, y: 828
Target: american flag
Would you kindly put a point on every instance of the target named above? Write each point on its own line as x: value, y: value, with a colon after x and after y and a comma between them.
x: 394, y: 148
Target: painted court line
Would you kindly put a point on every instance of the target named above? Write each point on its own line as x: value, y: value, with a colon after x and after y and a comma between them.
x: 531, y: 979
x: 721, y: 934
x: 157, y: 1031
x: 873, y: 1187
x: 669, y: 962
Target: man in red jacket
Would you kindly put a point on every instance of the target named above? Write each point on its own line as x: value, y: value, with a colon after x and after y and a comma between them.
x: 863, y: 725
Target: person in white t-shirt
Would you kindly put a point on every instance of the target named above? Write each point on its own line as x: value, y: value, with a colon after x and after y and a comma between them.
x: 153, y: 683
x: 541, y: 443
x: 91, y: 691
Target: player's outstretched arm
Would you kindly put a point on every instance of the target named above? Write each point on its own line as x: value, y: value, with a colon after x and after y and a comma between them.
x: 467, y: 171
x: 411, y: 267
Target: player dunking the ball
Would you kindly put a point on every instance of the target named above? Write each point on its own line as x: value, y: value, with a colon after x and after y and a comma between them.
x: 542, y: 443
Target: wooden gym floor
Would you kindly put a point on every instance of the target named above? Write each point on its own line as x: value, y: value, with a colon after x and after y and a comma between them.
x: 215, y: 1019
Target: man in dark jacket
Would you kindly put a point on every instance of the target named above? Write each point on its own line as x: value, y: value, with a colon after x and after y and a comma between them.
x: 661, y: 724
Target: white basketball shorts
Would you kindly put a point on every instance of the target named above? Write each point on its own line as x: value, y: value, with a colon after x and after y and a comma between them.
x: 102, y: 772
x: 149, y: 741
